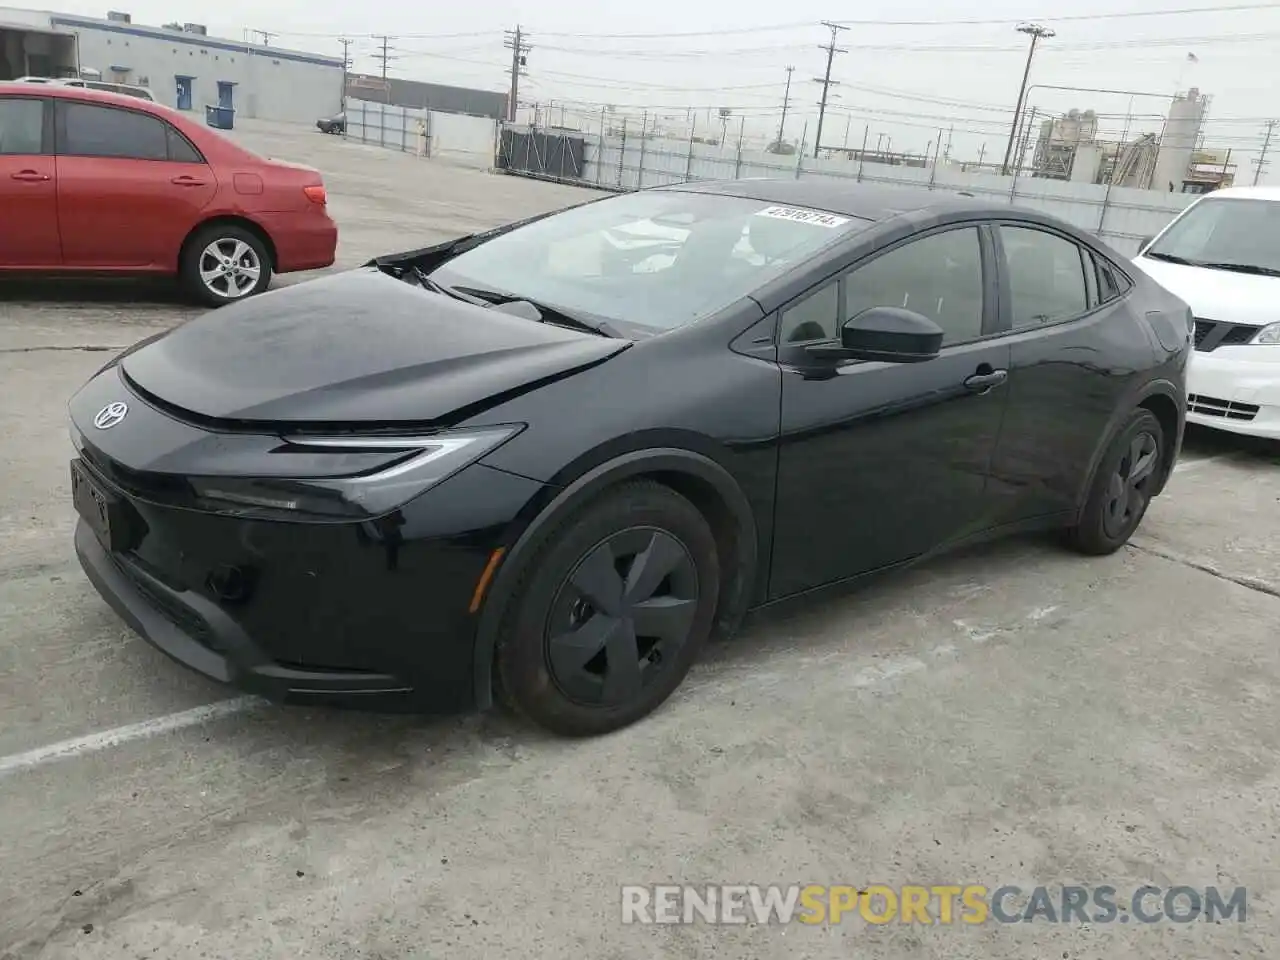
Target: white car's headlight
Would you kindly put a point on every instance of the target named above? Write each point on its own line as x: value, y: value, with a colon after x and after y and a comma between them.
x: 1268, y: 334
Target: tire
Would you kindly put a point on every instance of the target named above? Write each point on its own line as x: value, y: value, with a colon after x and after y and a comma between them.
x: 1117, y: 503
x: 246, y: 253
x: 568, y: 685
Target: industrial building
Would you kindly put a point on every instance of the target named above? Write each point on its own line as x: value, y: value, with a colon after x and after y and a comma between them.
x: 420, y: 95
x: 1175, y: 160
x: 182, y: 65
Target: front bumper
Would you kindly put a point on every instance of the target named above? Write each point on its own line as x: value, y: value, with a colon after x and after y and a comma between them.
x: 1235, y: 393
x: 373, y: 614
x: 196, y: 633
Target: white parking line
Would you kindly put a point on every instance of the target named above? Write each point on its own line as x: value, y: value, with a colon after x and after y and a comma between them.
x: 1185, y: 465
x: 105, y: 739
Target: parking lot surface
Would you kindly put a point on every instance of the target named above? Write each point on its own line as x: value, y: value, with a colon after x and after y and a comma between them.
x: 1014, y: 715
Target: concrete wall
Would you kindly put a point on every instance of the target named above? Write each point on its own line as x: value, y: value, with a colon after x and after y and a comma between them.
x: 270, y: 83
x: 1120, y: 216
x: 450, y: 137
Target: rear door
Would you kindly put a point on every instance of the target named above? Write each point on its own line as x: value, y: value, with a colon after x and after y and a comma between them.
x: 1076, y: 345
x: 130, y: 187
x: 28, y: 185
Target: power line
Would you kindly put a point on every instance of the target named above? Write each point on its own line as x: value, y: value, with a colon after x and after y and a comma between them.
x: 1262, y: 161
x: 1036, y: 31
x: 1069, y: 18
x: 516, y: 43
x: 826, y: 80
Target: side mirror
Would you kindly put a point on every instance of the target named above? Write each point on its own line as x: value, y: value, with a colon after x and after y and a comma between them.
x: 886, y: 334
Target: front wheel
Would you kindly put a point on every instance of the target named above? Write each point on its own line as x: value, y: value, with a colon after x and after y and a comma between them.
x: 1122, y: 486
x: 224, y: 263
x: 611, y: 614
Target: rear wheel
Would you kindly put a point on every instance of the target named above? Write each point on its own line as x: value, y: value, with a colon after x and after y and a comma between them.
x: 1122, y: 486
x: 223, y: 263
x: 611, y: 613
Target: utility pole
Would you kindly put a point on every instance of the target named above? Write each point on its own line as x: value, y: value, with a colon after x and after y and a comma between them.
x: 1037, y: 33
x: 1261, y: 162
x: 826, y: 80
x: 265, y: 35
x: 384, y: 56
x: 786, y: 101
x: 346, y: 65
x: 518, y: 44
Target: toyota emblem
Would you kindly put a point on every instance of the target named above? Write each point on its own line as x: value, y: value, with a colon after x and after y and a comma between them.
x: 110, y: 415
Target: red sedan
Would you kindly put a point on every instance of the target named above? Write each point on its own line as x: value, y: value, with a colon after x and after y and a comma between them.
x: 101, y: 183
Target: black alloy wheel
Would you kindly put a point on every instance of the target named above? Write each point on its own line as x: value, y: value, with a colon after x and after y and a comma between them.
x: 611, y: 612
x: 1122, y: 486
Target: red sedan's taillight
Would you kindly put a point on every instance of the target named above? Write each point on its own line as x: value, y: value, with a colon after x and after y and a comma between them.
x: 315, y: 194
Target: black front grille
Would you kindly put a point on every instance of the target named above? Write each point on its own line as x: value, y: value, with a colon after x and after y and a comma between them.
x: 1210, y: 334
x: 1227, y: 409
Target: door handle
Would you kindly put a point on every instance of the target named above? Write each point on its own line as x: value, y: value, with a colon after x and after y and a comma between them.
x: 30, y: 176
x: 986, y: 380
x: 187, y: 182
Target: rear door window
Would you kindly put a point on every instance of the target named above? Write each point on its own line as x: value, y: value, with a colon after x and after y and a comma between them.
x: 1046, y: 276
x: 88, y: 130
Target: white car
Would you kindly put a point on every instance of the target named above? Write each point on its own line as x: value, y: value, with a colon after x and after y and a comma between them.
x: 1222, y: 257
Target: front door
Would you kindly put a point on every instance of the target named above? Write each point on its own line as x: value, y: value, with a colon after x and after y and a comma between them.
x: 184, y: 92
x: 882, y: 462
x: 130, y: 188
x: 28, y: 185
x: 226, y: 94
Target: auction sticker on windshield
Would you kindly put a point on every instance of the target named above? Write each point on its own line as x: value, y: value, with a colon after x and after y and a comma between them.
x: 800, y: 215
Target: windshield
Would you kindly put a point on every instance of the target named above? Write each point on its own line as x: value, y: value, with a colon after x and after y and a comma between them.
x: 653, y: 260
x: 1225, y: 232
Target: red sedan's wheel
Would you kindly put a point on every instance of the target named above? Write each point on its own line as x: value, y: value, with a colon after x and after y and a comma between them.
x: 224, y: 263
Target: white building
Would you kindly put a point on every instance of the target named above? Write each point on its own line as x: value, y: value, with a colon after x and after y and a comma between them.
x: 183, y: 66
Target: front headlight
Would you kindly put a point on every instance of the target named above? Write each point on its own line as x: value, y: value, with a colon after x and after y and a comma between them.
x: 1268, y: 334
x: 407, y: 467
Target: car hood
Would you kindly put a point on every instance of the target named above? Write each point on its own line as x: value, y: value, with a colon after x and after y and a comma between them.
x: 1220, y: 295
x: 358, y: 347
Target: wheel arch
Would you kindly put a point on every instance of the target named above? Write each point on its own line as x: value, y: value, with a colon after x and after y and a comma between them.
x: 1166, y: 402
x: 228, y: 219
x: 697, y: 477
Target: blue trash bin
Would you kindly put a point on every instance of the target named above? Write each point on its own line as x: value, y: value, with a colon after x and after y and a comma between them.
x: 220, y: 118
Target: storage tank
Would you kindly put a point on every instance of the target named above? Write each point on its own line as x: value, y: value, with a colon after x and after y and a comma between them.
x: 1178, y: 143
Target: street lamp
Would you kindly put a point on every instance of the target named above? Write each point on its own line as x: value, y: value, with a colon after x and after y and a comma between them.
x: 1036, y: 32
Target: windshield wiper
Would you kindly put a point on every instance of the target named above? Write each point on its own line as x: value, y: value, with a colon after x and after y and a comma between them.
x: 1172, y: 259
x: 435, y: 286
x: 1252, y: 268
x: 493, y: 298
x: 557, y: 316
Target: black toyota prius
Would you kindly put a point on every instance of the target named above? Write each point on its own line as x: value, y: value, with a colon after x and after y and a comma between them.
x: 546, y: 463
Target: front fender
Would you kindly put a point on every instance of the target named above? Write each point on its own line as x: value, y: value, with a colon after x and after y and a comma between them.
x: 735, y: 594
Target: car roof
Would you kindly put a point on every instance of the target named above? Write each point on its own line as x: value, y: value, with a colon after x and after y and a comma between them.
x: 851, y: 199
x: 87, y: 94
x: 1246, y: 193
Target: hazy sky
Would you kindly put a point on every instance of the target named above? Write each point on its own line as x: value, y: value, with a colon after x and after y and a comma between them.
x: 734, y: 55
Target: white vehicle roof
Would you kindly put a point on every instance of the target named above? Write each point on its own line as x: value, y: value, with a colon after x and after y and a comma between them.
x: 1246, y: 193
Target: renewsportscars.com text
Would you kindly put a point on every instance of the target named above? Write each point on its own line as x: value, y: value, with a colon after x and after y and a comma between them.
x: 928, y: 905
